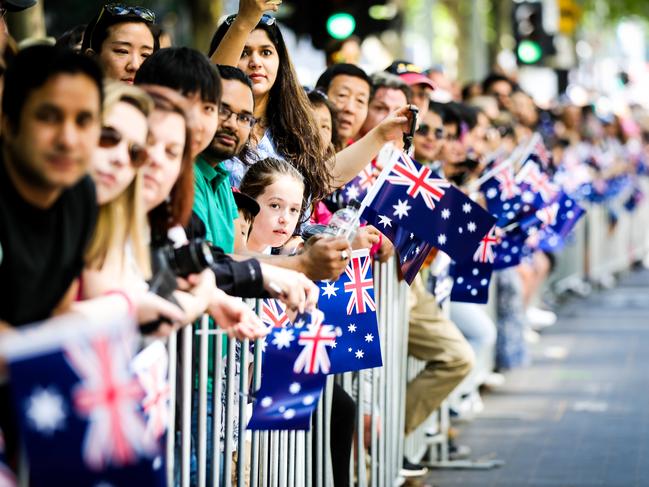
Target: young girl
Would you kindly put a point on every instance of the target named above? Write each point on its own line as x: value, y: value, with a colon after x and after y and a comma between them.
x: 278, y: 188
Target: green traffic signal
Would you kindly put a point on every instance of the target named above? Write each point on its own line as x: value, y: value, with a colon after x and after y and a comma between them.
x: 341, y: 25
x: 529, y: 52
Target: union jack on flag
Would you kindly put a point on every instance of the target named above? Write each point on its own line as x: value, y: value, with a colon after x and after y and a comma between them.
x: 419, y: 180
x: 314, y: 357
x: 548, y: 214
x: 537, y: 181
x: 485, y: 250
x: 507, y: 182
x: 359, y: 285
x: 273, y: 314
x: 151, y: 366
x: 108, y: 396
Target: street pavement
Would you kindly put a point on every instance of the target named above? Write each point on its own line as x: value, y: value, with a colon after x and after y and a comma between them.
x: 579, y: 415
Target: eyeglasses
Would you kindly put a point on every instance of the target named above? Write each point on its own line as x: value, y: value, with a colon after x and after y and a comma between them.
x: 425, y: 129
x: 243, y: 119
x: 119, y: 10
x: 110, y: 137
x: 3, y: 12
x: 265, y: 19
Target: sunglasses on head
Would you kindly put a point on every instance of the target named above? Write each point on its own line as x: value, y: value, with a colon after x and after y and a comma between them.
x: 265, y: 19
x: 120, y: 10
x: 111, y: 137
x: 425, y: 129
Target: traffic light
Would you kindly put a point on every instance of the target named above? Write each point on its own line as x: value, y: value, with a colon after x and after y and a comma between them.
x: 338, y: 19
x: 533, y: 43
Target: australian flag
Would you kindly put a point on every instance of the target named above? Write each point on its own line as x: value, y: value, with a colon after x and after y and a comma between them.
x: 415, y: 198
x: 349, y: 306
x: 293, y: 374
x: 357, y: 188
x: 472, y: 277
x: 79, y: 405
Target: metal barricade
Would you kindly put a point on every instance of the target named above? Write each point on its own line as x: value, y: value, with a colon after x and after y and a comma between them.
x: 213, y: 405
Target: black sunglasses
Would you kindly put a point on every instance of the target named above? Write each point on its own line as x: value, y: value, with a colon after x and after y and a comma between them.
x: 110, y: 137
x: 120, y: 10
x: 424, y: 129
x: 265, y: 19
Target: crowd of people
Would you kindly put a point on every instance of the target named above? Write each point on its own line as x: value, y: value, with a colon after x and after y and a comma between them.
x: 118, y: 152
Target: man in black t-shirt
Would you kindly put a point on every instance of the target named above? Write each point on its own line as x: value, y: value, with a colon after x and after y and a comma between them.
x: 50, y: 126
x: 51, y: 113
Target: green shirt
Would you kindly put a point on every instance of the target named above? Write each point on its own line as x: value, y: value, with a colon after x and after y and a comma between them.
x: 214, y: 203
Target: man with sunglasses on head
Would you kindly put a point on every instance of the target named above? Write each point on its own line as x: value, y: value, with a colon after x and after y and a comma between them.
x: 120, y: 39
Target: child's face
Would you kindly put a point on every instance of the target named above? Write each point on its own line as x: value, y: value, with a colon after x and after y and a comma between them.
x: 279, y: 212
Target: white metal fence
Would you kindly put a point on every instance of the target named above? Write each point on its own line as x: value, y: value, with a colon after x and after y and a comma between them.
x: 287, y: 458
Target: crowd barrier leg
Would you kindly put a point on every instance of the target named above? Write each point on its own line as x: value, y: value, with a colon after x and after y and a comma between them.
x: 172, y: 343
x: 217, y: 394
x: 202, y: 401
x: 186, y: 406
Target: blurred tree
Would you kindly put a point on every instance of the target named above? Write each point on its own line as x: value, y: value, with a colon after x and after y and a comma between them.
x: 205, y: 15
x: 615, y: 9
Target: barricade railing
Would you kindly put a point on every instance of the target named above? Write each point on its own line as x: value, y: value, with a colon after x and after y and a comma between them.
x: 215, y: 404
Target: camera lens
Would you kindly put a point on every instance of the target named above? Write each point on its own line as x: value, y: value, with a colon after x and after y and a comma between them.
x: 192, y: 258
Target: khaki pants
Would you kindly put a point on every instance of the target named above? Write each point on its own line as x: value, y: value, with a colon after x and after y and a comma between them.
x: 435, y: 340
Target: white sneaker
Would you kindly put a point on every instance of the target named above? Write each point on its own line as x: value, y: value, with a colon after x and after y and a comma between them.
x: 495, y: 379
x: 540, y: 318
x: 531, y: 336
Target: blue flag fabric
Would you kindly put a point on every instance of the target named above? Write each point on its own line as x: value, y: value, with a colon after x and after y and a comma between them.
x: 348, y: 304
x: 537, y: 188
x: 511, y: 249
x: 293, y: 374
x: 415, y: 198
x: 411, y: 249
x: 503, y: 195
x: 79, y: 405
x: 471, y: 282
x: 472, y: 277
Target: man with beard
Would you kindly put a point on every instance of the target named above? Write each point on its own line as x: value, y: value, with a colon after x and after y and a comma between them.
x: 213, y: 200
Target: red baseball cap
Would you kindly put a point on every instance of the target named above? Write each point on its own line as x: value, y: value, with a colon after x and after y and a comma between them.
x: 410, y: 73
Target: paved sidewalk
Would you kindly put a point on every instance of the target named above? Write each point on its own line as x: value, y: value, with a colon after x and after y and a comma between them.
x: 579, y: 416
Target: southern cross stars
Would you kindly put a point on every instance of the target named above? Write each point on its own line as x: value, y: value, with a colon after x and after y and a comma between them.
x: 45, y: 410
x: 466, y: 208
x: 369, y: 337
x: 401, y: 209
x: 351, y: 328
x: 446, y: 213
x: 471, y: 227
x: 385, y: 221
x: 329, y: 290
x: 283, y: 338
x: 359, y: 354
x: 441, y: 239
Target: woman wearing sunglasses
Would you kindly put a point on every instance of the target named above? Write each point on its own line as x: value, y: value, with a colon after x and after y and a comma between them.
x: 120, y: 38
x: 121, y: 223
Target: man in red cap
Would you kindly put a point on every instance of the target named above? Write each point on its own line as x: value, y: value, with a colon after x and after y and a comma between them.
x: 419, y: 83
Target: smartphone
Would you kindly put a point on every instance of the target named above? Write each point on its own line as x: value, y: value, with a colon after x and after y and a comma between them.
x: 408, y: 136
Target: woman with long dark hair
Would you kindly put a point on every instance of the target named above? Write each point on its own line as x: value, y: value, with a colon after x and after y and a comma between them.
x: 252, y: 41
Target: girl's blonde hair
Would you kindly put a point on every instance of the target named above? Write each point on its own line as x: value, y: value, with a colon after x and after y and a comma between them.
x: 123, y: 220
